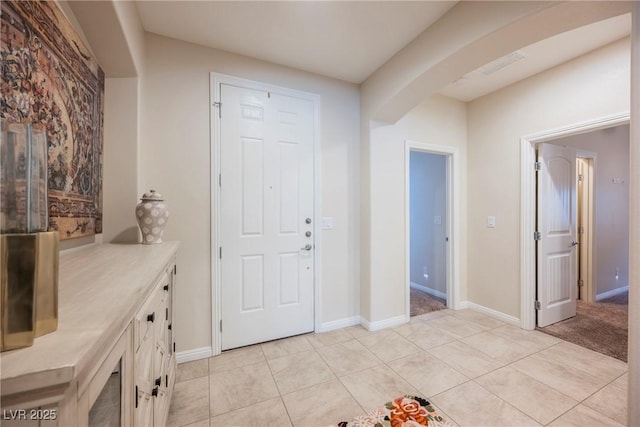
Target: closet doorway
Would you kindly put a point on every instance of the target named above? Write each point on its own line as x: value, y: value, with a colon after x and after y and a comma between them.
x: 429, y: 228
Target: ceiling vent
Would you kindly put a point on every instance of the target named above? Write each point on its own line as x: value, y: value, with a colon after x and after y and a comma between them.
x: 460, y: 81
x: 501, y: 63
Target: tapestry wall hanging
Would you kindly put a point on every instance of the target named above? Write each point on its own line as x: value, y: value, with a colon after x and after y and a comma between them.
x: 51, y: 80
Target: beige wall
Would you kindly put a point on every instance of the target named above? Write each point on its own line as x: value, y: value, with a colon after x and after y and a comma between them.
x: 171, y: 116
x: 175, y: 160
x: 441, y: 121
x: 590, y: 87
x: 134, y: 34
x: 611, y: 205
x: 467, y: 36
x: 120, y: 160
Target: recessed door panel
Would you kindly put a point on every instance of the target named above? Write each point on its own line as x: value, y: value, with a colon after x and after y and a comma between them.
x: 289, y: 278
x: 558, y: 267
x: 289, y: 187
x: 252, y: 282
x: 252, y: 186
x: 560, y: 192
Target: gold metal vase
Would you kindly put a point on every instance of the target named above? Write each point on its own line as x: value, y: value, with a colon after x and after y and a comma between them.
x: 28, y: 287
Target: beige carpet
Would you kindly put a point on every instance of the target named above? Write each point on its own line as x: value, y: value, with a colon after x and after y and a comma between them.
x: 600, y: 326
x: 422, y: 303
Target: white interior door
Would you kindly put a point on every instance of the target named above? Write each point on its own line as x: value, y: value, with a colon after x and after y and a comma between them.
x: 557, y: 224
x: 266, y: 190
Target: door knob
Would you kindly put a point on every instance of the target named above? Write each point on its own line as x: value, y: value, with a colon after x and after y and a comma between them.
x: 307, y: 247
x: 308, y: 220
x: 574, y: 243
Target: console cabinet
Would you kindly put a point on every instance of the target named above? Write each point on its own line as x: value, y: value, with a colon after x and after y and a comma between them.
x: 155, y: 363
x: 112, y: 359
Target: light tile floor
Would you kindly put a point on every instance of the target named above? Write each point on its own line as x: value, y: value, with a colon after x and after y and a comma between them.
x: 476, y: 371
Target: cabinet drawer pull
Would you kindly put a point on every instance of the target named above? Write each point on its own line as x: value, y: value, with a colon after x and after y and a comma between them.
x: 151, y: 317
x: 154, y: 392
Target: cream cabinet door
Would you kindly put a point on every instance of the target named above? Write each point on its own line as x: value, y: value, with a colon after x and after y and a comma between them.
x: 150, y: 357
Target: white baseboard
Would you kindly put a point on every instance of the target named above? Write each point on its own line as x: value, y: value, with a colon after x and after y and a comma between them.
x: 206, y: 352
x: 514, y: 321
x: 612, y: 293
x: 339, y: 324
x: 429, y: 291
x: 462, y: 305
x: 195, y: 354
x: 382, y: 324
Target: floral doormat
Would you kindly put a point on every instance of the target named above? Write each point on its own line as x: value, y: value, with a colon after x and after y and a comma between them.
x: 403, y: 411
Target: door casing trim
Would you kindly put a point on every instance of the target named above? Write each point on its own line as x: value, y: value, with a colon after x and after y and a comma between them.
x: 453, y: 221
x: 587, y: 248
x: 528, y: 145
x: 215, y: 80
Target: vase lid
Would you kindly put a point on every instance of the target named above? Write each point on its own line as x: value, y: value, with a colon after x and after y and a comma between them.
x: 152, y: 196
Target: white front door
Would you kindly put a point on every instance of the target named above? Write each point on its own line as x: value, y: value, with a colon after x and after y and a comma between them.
x: 557, y: 224
x: 266, y: 222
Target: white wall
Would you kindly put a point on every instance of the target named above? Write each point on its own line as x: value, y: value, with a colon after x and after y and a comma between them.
x: 428, y: 200
x: 175, y: 160
x: 439, y: 120
x: 467, y: 36
x: 591, y: 87
x: 134, y: 34
x: 611, y: 234
x: 120, y: 160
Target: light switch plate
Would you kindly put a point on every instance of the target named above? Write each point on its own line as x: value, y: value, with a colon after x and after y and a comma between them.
x: 326, y: 223
x: 491, y: 221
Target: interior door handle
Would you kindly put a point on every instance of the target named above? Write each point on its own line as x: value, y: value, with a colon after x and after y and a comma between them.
x: 574, y: 243
x: 307, y: 247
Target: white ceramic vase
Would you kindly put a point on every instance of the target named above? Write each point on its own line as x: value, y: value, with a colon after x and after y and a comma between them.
x: 152, y: 214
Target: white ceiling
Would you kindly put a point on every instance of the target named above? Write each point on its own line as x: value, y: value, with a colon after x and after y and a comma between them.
x: 349, y: 40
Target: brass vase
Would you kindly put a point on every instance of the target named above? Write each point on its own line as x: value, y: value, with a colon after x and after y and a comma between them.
x: 28, y: 252
x: 28, y: 287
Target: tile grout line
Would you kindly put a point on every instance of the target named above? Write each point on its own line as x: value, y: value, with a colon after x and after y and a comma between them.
x: 241, y: 367
x: 279, y: 392
x: 579, y: 402
x: 355, y: 371
x: 501, y: 367
x: 386, y: 366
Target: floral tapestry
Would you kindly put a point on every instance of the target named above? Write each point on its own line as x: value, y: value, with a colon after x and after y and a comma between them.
x: 50, y: 79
